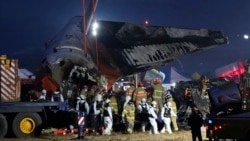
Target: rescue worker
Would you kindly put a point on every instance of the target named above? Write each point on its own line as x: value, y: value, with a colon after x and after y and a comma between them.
x: 173, y: 116
x: 96, y: 113
x: 142, y: 112
x: 166, y: 113
x: 152, y: 118
x: 128, y: 117
x: 158, y: 92
x: 195, y: 121
x: 82, y: 108
x: 113, y: 103
x: 57, y: 97
x: 205, y: 86
x: 114, y: 107
x: 82, y: 104
x: 189, y: 99
x: 139, y: 94
x: 43, y: 95
x: 84, y: 90
x: 127, y: 99
x: 130, y: 90
x: 187, y: 93
x: 92, y: 94
x: 108, y: 118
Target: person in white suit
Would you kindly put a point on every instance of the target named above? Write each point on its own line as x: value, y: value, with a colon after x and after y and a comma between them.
x: 108, y: 118
x: 152, y: 118
x: 166, y: 113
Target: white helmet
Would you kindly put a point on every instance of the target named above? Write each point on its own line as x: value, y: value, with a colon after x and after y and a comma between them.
x: 127, y: 98
x: 143, y: 100
x: 107, y: 101
x: 168, y: 96
x: 98, y: 97
x: 131, y: 102
x: 154, y: 103
x: 78, y: 98
x: 44, y: 91
x: 83, y: 97
x: 56, y: 92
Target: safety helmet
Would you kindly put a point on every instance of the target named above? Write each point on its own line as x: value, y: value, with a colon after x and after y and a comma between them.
x: 157, y: 80
x: 107, y: 101
x: 143, y: 100
x: 98, y: 97
x: 154, y: 103
x: 78, y: 98
x: 140, y: 84
x: 131, y: 102
x: 56, y: 92
x: 127, y: 98
x: 83, y: 97
x: 168, y: 96
x: 44, y: 91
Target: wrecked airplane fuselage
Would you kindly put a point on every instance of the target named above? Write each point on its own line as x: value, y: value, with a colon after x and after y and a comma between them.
x: 120, y: 48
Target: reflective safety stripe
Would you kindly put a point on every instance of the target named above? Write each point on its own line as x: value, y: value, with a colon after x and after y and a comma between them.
x: 131, y: 118
x: 158, y: 93
x: 141, y: 95
x: 81, y: 120
x: 129, y: 92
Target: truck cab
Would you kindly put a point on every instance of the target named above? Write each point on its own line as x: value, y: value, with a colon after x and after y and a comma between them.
x: 227, y: 119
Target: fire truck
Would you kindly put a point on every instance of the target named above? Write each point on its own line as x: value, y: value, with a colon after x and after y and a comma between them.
x: 26, y: 118
x: 229, y: 117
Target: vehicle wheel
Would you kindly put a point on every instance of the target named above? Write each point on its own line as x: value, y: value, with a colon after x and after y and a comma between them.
x: 27, y: 125
x: 3, y: 126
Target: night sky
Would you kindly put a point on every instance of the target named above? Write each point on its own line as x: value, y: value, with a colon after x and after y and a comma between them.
x: 25, y: 25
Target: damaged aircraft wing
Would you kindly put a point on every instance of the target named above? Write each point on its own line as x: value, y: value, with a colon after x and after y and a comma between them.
x: 121, y: 48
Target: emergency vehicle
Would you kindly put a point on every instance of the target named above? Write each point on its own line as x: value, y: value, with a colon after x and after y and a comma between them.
x: 228, y: 119
x: 26, y: 118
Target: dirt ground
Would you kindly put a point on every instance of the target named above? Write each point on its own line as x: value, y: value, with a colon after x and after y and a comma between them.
x: 183, y: 135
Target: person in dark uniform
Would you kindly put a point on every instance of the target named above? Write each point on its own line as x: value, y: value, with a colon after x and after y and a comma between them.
x: 142, y: 113
x: 96, y: 113
x: 82, y: 108
x: 195, y: 121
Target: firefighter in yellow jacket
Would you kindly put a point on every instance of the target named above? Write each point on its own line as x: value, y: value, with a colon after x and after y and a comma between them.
x: 114, y: 106
x: 173, y: 107
x: 139, y: 94
x: 128, y: 116
x: 130, y: 90
x: 158, y: 92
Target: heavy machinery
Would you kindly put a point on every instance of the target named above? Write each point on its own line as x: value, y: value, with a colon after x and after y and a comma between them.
x: 228, y: 119
x: 25, y: 118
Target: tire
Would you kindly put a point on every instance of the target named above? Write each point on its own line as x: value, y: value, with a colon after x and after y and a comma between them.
x: 27, y: 125
x: 3, y: 126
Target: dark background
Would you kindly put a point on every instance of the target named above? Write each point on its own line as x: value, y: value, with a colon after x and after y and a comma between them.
x: 25, y: 25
